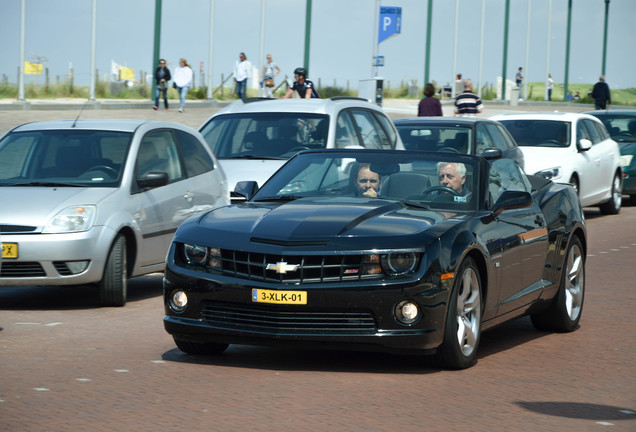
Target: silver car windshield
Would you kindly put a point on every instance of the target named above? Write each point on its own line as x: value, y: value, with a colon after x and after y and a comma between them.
x: 63, y: 158
x: 265, y: 135
x: 539, y: 133
x: 433, y: 181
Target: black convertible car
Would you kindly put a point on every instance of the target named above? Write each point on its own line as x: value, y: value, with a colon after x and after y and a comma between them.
x: 404, y: 252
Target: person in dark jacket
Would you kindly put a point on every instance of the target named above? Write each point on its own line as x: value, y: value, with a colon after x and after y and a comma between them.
x: 429, y: 105
x: 162, y: 76
x: 601, y: 94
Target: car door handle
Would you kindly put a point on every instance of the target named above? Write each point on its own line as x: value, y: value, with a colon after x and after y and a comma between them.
x: 538, y: 220
x: 188, y: 196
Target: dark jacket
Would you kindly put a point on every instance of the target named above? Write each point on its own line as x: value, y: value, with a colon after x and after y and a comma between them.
x: 167, y: 75
x: 601, y: 92
x: 429, y: 106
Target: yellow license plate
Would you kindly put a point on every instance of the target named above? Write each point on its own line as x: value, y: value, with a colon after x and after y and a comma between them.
x: 279, y: 297
x: 9, y: 250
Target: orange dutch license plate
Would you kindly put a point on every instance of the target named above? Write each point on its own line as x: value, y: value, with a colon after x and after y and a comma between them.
x: 279, y: 297
x: 9, y: 250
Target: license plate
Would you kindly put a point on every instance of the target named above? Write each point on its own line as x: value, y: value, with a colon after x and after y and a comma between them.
x: 9, y: 250
x: 279, y: 297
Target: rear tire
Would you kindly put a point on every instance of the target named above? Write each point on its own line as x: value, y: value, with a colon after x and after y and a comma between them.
x: 114, y: 284
x: 463, y: 319
x: 564, y: 313
x: 613, y: 206
x: 196, y: 348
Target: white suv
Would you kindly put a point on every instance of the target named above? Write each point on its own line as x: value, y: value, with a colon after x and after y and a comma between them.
x: 570, y: 148
x: 252, y: 138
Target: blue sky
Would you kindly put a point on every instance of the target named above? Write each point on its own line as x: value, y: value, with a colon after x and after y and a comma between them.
x: 341, y: 39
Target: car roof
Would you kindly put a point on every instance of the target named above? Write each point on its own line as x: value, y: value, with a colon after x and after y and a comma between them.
x: 318, y: 106
x: 467, y: 121
x: 120, y: 125
x: 556, y: 115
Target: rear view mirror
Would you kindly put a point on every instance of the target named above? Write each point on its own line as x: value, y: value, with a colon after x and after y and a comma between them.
x: 491, y: 154
x: 153, y: 180
x: 245, y: 189
x: 584, y: 144
x: 512, y: 199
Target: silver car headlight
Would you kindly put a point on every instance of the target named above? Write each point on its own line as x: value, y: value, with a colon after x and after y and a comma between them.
x: 72, y: 219
x: 395, y: 264
x: 550, y: 173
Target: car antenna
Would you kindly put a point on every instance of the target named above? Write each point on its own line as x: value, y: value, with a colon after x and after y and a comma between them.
x: 78, y: 115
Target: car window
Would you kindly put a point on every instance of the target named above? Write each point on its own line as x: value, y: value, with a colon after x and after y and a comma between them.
x: 14, y: 154
x: 372, y: 134
x: 602, y: 130
x: 388, y: 128
x: 484, y: 142
x: 620, y: 127
x: 196, y: 159
x: 539, y: 133
x: 433, y: 138
x: 581, y: 131
x: 505, y: 174
x: 345, y: 131
x: 592, y: 131
x: 497, y: 137
x: 158, y: 153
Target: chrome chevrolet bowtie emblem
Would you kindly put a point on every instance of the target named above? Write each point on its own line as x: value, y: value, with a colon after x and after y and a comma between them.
x: 282, y: 267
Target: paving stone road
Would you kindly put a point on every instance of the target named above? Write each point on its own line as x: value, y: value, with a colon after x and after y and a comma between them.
x: 67, y: 364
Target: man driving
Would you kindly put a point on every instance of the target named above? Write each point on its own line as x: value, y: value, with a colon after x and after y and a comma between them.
x: 368, y: 182
x: 452, y: 175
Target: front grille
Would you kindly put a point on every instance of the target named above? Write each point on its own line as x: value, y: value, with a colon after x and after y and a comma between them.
x: 21, y: 269
x: 262, y: 319
x: 311, y: 268
x: 16, y: 228
x: 62, y: 268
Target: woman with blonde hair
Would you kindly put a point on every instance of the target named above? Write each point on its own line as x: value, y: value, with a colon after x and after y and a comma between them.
x: 183, y: 81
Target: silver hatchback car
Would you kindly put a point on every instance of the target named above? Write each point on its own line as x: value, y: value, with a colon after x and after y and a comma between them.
x: 98, y: 201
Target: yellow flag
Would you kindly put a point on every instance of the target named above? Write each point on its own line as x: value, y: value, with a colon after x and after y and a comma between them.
x: 32, y: 68
x: 126, y: 73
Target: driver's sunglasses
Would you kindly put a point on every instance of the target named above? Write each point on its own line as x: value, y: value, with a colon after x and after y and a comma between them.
x: 367, y: 180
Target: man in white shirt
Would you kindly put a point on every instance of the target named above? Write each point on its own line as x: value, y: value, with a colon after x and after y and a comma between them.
x: 242, y: 69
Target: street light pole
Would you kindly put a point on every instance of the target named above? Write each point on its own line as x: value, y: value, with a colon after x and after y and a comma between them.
x: 607, y: 2
x: 156, y: 47
x: 211, y: 52
x: 453, y: 89
x: 307, y: 34
x: 505, y: 51
x: 567, y: 53
x: 91, y: 92
x: 429, y: 23
x: 22, y: 39
x: 481, y: 45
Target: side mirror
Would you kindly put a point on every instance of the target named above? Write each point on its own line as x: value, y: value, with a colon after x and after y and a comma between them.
x: 491, y: 154
x: 153, y: 180
x: 245, y: 189
x: 512, y: 199
x: 584, y: 144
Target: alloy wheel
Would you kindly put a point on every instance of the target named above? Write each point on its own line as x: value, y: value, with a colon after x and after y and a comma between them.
x: 468, y: 312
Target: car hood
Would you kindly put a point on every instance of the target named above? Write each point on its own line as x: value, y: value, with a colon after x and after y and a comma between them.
x: 36, y: 205
x: 540, y: 158
x: 258, y: 170
x: 317, y: 220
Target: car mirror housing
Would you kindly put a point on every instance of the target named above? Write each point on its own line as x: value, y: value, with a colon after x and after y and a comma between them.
x: 584, y: 144
x: 512, y: 199
x: 153, y: 180
x: 246, y: 189
x: 491, y: 154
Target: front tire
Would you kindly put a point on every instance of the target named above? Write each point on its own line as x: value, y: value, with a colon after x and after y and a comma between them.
x: 196, y: 348
x: 113, y: 287
x: 613, y: 206
x: 463, y: 321
x: 564, y: 313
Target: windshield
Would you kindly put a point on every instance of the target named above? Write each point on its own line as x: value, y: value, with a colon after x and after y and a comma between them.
x: 539, y: 133
x: 431, y: 138
x: 622, y: 128
x: 63, y: 158
x: 427, y: 181
x: 265, y: 135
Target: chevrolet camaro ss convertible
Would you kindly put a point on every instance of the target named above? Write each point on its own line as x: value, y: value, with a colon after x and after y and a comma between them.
x: 402, y: 252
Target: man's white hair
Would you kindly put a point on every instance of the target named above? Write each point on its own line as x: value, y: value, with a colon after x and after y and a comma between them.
x: 461, y: 168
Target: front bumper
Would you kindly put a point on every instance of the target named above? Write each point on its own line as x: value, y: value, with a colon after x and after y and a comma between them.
x: 42, y: 258
x: 220, y: 310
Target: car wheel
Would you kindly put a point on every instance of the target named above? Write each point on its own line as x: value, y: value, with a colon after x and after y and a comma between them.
x: 197, y: 348
x: 613, y: 206
x: 564, y: 313
x: 114, y: 284
x: 574, y: 181
x: 463, y: 321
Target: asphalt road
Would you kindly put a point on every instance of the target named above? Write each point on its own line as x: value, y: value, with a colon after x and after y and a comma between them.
x: 67, y: 364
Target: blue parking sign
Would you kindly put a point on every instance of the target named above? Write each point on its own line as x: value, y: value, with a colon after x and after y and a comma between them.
x: 390, y: 22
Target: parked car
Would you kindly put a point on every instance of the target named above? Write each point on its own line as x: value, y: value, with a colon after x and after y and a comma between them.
x: 621, y: 125
x: 571, y: 148
x: 254, y: 137
x: 466, y: 135
x: 98, y: 201
x: 423, y: 267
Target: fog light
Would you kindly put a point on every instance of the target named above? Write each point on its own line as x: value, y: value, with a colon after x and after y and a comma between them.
x: 76, y: 267
x: 407, y: 312
x: 178, y: 301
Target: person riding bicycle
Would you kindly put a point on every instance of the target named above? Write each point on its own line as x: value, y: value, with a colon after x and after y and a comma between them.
x: 302, y: 85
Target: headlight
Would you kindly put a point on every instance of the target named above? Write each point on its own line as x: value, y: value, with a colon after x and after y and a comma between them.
x: 626, y: 160
x: 407, y: 312
x: 178, y: 301
x: 72, y: 219
x: 399, y: 263
x: 194, y: 254
x: 550, y: 173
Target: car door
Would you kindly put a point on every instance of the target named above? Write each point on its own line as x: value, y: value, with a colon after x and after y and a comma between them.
x: 607, y: 150
x: 589, y: 167
x: 524, y: 239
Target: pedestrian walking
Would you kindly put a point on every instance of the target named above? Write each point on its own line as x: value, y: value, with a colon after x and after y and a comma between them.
x: 468, y: 103
x: 519, y: 81
x: 429, y: 105
x: 550, y: 87
x: 162, y: 76
x: 601, y: 94
x: 183, y: 81
x: 242, y: 70
x: 270, y: 70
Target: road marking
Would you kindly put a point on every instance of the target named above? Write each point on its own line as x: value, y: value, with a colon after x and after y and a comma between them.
x: 604, y: 252
x: 590, y: 255
x: 627, y: 412
x: 41, y: 389
x: 605, y: 423
x: 83, y: 379
x: 624, y: 247
x: 615, y: 250
x: 27, y: 323
x: 1, y: 400
x: 158, y: 361
x: 52, y: 324
x: 122, y: 370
